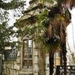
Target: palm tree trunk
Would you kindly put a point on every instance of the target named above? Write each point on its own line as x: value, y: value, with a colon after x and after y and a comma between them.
x: 51, y: 62
x: 61, y: 60
x: 64, y: 58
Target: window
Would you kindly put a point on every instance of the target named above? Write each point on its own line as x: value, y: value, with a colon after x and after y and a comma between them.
x: 56, y: 54
x: 56, y: 58
x: 27, y: 53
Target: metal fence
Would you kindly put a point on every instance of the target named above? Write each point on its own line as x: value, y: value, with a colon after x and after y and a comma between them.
x: 70, y: 70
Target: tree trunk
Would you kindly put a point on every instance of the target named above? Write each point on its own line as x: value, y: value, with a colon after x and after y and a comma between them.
x: 51, y: 62
x: 61, y: 60
x: 64, y: 57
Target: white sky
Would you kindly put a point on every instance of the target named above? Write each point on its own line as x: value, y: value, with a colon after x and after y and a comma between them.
x: 7, y: 0
x: 71, y: 38
x: 12, y: 19
x: 71, y: 30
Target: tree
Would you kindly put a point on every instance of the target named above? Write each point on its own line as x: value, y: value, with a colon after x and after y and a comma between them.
x: 11, y: 5
x: 6, y: 31
x: 69, y: 3
x: 14, y: 5
x: 5, y: 34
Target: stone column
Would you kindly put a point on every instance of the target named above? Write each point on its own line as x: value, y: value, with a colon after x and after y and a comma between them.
x: 35, y: 60
x: 47, y: 64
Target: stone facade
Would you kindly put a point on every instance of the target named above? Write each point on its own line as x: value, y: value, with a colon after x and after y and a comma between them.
x: 40, y: 67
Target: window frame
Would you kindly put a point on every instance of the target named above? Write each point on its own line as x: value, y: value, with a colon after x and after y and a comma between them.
x: 27, y: 59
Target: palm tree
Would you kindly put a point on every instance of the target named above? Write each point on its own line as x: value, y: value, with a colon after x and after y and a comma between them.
x: 69, y: 3
x: 59, y: 22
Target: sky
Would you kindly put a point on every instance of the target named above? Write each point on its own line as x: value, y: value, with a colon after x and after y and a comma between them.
x: 71, y: 38
x: 18, y: 14
x: 71, y: 30
x: 7, y: 1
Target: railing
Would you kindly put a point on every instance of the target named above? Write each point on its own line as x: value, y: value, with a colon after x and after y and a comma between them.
x: 70, y: 70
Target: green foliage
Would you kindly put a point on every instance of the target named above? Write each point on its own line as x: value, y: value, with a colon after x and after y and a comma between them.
x: 60, y: 1
x: 5, y: 35
x: 42, y: 16
x: 12, y: 5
